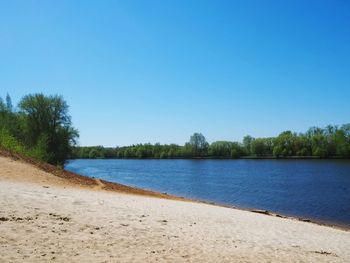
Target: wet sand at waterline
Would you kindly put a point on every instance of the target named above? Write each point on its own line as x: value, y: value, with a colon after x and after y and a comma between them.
x: 44, y: 217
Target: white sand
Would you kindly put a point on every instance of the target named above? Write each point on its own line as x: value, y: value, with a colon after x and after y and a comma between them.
x: 49, y: 220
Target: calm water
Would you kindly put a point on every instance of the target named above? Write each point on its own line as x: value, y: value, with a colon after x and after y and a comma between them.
x: 314, y: 189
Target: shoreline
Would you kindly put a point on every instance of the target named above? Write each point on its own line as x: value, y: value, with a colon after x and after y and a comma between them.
x: 67, y: 217
x: 325, y: 223
x: 117, y: 187
x: 150, y: 192
x: 225, y: 158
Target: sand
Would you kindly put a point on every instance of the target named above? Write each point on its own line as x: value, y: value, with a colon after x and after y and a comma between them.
x: 47, y: 218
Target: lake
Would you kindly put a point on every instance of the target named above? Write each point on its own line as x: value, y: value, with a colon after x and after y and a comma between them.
x: 313, y: 189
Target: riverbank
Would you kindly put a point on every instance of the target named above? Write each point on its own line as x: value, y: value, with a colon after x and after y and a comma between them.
x: 253, y: 157
x: 64, y: 218
x: 310, y: 190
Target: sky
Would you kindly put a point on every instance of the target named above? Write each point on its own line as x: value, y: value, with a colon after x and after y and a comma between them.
x: 158, y: 71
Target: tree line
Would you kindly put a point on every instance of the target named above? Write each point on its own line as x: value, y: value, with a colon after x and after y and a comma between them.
x: 328, y: 142
x: 39, y: 127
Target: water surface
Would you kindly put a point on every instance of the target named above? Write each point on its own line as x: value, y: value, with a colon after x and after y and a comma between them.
x: 314, y: 189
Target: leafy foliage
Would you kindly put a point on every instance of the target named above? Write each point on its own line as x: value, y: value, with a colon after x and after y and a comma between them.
x: 41, y: 128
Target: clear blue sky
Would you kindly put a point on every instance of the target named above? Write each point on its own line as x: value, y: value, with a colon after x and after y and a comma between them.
x: 157, y: 71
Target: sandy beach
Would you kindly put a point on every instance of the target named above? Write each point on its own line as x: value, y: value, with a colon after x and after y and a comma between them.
x: 47, y: 218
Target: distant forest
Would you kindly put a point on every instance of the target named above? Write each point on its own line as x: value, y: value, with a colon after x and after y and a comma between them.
x: 328, y: 142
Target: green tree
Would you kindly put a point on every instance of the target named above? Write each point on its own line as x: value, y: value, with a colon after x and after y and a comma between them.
x: 198, y: 144
x: 341, y: 139
x: 9, y: 105
x: 236, y: 150
x: 220, y: 149
x: 260, y: 147
x: 302, y: 145
x: 47, y: 116
x: 319, y: 145
x: 247, y: 143
x: 9, y: 120
x: 285, y: 144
